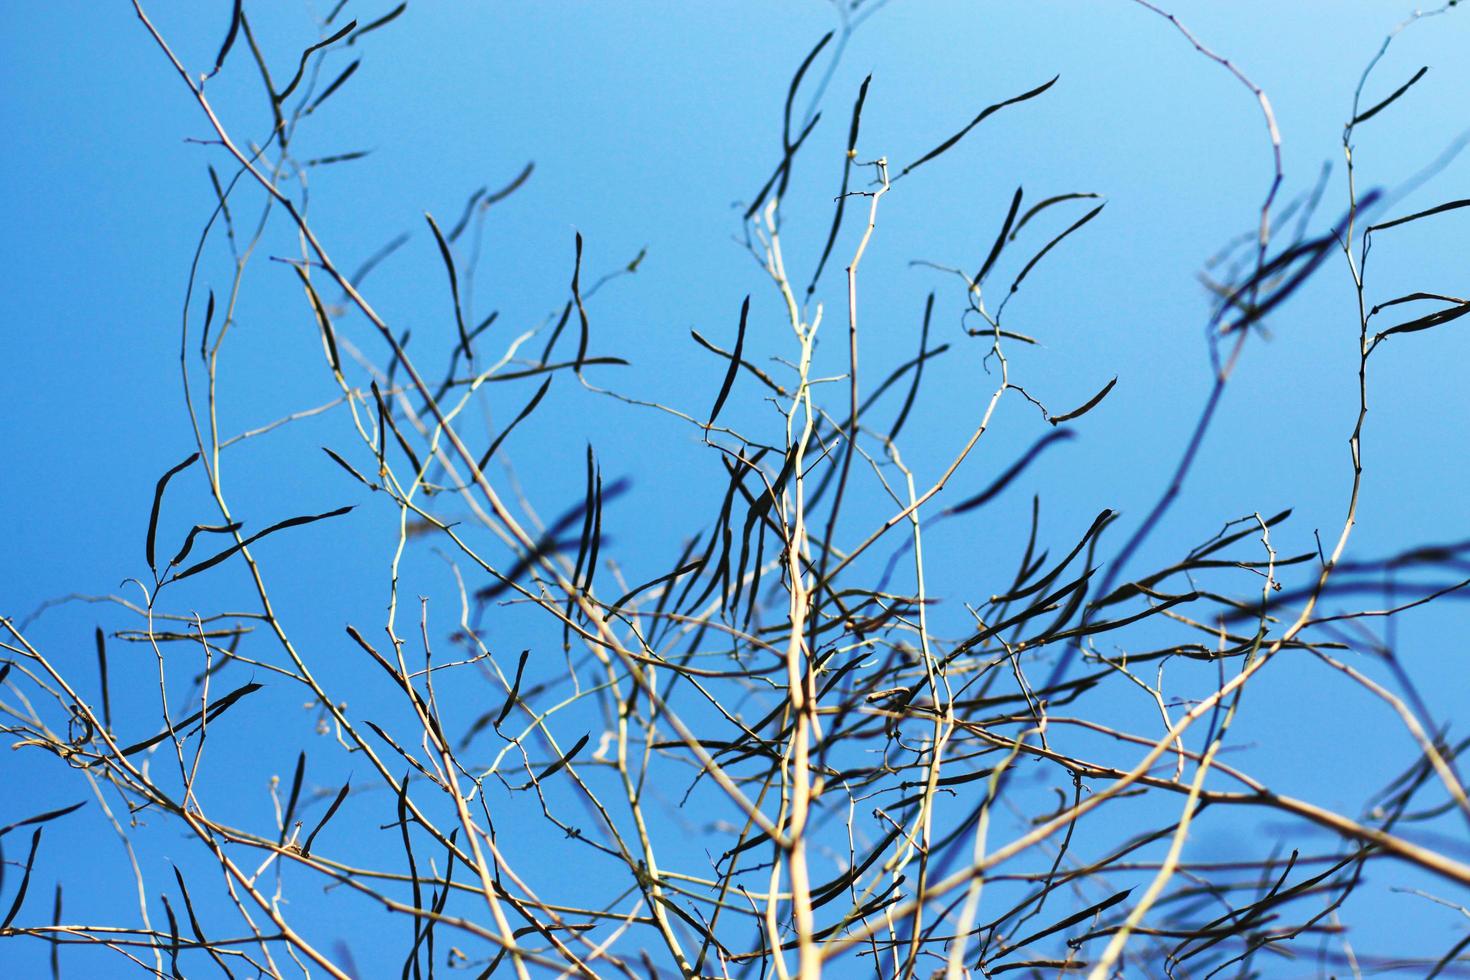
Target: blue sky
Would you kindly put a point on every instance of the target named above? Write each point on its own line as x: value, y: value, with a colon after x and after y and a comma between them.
x: 647, y: 123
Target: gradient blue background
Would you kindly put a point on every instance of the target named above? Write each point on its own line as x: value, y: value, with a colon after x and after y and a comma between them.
x: 646, y: 121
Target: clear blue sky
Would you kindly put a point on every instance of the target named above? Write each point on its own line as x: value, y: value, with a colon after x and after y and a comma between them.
x: 647, y: 122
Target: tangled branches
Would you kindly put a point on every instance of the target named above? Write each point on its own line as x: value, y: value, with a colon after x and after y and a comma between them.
x: 796, y: 748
